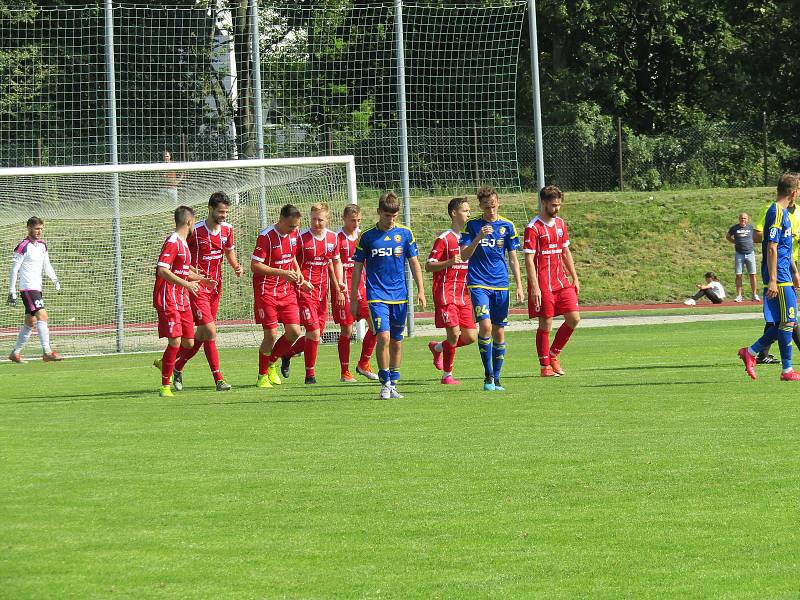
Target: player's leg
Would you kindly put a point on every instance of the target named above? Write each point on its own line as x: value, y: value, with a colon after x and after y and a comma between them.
x: 448, y: 354
x: 545, y: 324
x: 380, y: 326
x: 310, y: 353
x: 480, y: 308
x: 343, y: 349
x: 367, y: 344
x: 442, y: 319
x: 397, y: 318
x: 498, y: 309
x: 37, y: 309
x: 28, y: 325
x: 264, y: 351
x: 566, y: 303
x: 773, y: 317
x: 283, y: 345
x: 788, y: 298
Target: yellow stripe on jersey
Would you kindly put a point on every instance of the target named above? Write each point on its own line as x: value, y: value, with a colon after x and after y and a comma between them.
x: 486, y: 287
x: 360, y: 235
x: 409, y: 230
x: 387, y: 301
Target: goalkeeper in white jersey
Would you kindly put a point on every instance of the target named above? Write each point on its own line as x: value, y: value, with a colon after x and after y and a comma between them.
x: 30, y: 258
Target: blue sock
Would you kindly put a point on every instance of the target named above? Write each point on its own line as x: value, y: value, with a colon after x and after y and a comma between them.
x: 394, y: 374
x: 770, y: 335
x: 785, y: 345
x: 383, y: 376
x: 485, y: 348
x: 498, y: 356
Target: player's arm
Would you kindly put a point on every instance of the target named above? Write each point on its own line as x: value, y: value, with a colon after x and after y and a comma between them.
x: 355, y: 281
x: 192, y: 285
x: 772, y: 267
x: 301, y: 280
x: 259, y: 268
x: 230, y: 256
x: 569, y: 265
x: 533, y: 279
x: 433, y: 264
x: 513, y: 262
x: 200, y: 278
x: 416, y: 272
x: 468, y: 250
x: 16, y: 265
x: 50, y: 272
x: 337, y: 276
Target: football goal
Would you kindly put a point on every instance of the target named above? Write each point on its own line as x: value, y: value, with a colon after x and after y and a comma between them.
x: 104, y: 226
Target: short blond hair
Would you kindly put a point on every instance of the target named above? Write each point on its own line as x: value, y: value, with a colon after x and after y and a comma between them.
x: 320, y: 207
x: 788, y: 183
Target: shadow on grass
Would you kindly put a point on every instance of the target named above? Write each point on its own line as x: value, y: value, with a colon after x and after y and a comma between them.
x: 75, y: 397
x: 661, y: 367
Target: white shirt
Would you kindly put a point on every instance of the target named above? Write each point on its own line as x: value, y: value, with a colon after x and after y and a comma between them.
x: 716, y: 287
x: 28, y: 262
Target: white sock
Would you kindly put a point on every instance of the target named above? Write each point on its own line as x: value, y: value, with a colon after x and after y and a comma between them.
x: 22, y: 338
x: 448, y: 374
x: 438, y: 346
x: 44, y: 336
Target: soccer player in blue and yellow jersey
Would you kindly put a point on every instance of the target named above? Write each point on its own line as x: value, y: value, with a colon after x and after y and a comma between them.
x: 487, y: 280
x: 780, y: 301
x: 382, y: 252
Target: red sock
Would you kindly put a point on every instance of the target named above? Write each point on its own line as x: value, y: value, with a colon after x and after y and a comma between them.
x: 212, y: 355
x: 344, y: 352
x: 298, y: 346
x: 310, y: 356
x: 543, y: 347
x: 281, y: 348
x: 461, y: 342
x: 448, y: 356
x: 168, y: 363
x: 367, y: 347
x: 562, y: 337
x: 186, y: 354
x: 263, y: 363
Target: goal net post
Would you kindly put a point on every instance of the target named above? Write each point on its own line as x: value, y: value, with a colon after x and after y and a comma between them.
x: 105, y: 304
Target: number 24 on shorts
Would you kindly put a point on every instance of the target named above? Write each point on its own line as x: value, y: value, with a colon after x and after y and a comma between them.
x: 481, y: 309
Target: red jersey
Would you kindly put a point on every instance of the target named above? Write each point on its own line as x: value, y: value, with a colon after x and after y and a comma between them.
x: 176, y: 257
x: 276, y: 251
x: 208, y: 249
x: 547, y: 243
x: 450, y: 284
x: 314, y: 255
x: 347, y: 247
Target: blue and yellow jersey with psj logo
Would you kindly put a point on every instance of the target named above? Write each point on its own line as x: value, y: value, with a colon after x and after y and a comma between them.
x: 777, y: 230
x: 487, y: 266
x: 384, y: 254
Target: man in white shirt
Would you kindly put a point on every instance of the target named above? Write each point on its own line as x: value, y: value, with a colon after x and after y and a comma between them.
x: 30, y: 258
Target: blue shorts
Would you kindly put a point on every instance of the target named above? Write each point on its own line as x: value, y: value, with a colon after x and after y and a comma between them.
x: 389, y: 317
x: 783, y: 307
x: 490, y: 304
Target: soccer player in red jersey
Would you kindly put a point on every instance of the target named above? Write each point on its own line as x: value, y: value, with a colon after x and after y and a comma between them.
x: 209, y: 241
x: 276, y: 277
x: 319, y: 261
x: 174, y: 282
x: 348, y: 238
x: 453, y: 309
x: 548, y: 261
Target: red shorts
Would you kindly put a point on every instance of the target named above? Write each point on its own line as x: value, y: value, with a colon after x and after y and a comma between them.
x: 174, y: 324
x: 454, y: 315
x: 342, y: 316
x: 269, y: 311
x: 205, y: 306
x: 555, y: 303
x: 313, y: 312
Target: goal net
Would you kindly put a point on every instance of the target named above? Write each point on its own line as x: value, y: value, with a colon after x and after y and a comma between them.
x: 98, y: 312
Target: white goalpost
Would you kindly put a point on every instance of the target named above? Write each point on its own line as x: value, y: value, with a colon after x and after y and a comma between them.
x: 104, y: 226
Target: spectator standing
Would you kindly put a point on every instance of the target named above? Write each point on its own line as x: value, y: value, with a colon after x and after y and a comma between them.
x: 744, y: 254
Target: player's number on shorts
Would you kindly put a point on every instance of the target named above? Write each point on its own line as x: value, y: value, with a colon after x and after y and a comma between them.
x: 481, y: 309
x: 38, y: 303
x: 377, y: 322
x: 791, y: 312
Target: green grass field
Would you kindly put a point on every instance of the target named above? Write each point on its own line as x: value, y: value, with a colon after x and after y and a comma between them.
x: 653, y: 469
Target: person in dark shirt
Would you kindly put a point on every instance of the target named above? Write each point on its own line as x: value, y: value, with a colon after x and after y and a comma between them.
x: 741, y: 236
